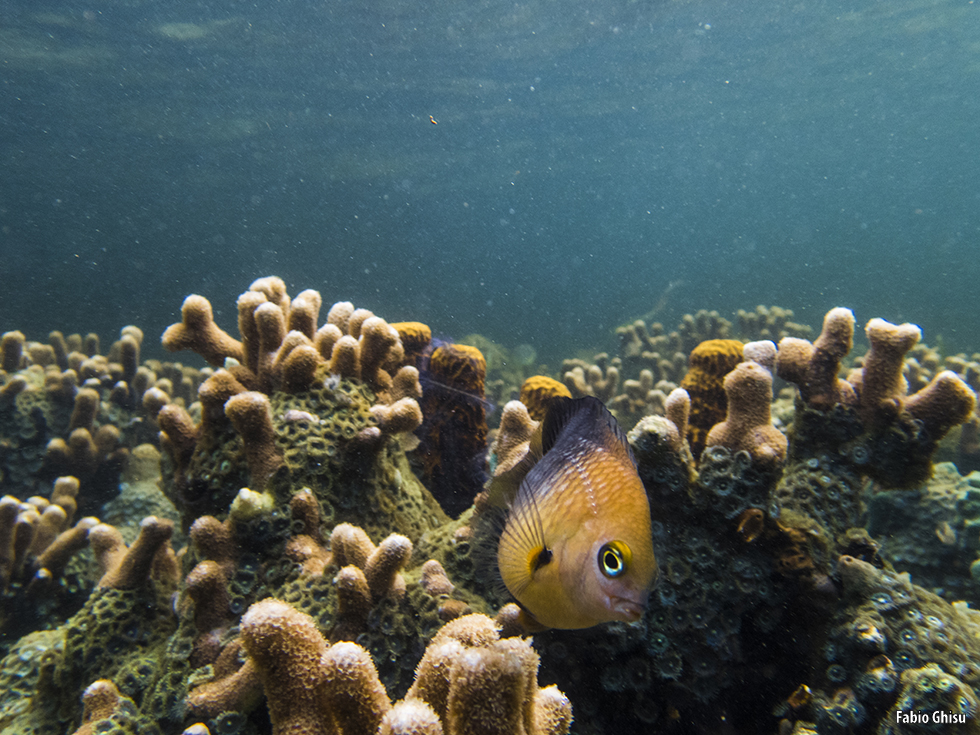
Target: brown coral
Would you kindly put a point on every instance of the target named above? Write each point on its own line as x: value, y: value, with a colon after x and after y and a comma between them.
x: 311, y: 689
x: 600, y: 379
x: 747, y: 426
x: 710, y: 362
x: 251, y: 415
x: 881, y: 383
x: 368, y: 573
x: 126, y: 568
x: 470, y: 680
x: 197, y: 331
x: 478, y: 683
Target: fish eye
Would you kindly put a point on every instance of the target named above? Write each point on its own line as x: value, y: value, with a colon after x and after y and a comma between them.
x: 614, y: 557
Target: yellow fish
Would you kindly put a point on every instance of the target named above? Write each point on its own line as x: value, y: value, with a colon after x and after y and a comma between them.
x: 576, y: 548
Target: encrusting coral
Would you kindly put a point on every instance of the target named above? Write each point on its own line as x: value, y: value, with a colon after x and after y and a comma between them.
x: 65, y: 409
x: 866, y: 426
x: 322, y: 580
x: 305, y: 406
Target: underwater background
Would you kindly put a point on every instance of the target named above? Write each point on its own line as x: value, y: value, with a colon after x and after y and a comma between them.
x: 587, y: 155
x: 291, y: 286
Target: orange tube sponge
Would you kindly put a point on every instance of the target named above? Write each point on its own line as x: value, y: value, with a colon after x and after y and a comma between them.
x: 748, y: 425
x: 537, y: 391
x: 198, y: 332
x: 710, y: 362
x: 454, y: 434
x: 415, y: 338
x: 251, y: 415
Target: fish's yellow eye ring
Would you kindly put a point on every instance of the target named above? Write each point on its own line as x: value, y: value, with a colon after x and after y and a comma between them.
x: 614, y: 558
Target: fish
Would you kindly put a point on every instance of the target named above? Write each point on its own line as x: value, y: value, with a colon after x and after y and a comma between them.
x: 576, y: 547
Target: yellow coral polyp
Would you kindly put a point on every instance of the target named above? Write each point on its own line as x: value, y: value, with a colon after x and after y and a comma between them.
x: 249, y: 504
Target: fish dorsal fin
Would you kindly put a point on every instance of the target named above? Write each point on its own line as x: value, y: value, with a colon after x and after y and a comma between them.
x: 503, y: 487
x: 588, y: 419
x: 567, y: 420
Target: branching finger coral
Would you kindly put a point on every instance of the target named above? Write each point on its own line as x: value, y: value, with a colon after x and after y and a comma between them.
x: 472, y: 681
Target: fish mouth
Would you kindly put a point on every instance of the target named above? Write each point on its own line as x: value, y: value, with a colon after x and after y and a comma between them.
x: 627, y: 610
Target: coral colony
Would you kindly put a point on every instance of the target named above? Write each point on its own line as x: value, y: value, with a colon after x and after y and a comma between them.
x: 296, y: 538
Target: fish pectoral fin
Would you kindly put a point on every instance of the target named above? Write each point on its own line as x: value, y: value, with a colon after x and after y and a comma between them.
x: 530, y: 623
x: 539, y: 557
x: 502, y: 488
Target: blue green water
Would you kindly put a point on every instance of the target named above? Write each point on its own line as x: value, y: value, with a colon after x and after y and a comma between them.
x: 586, y: 155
